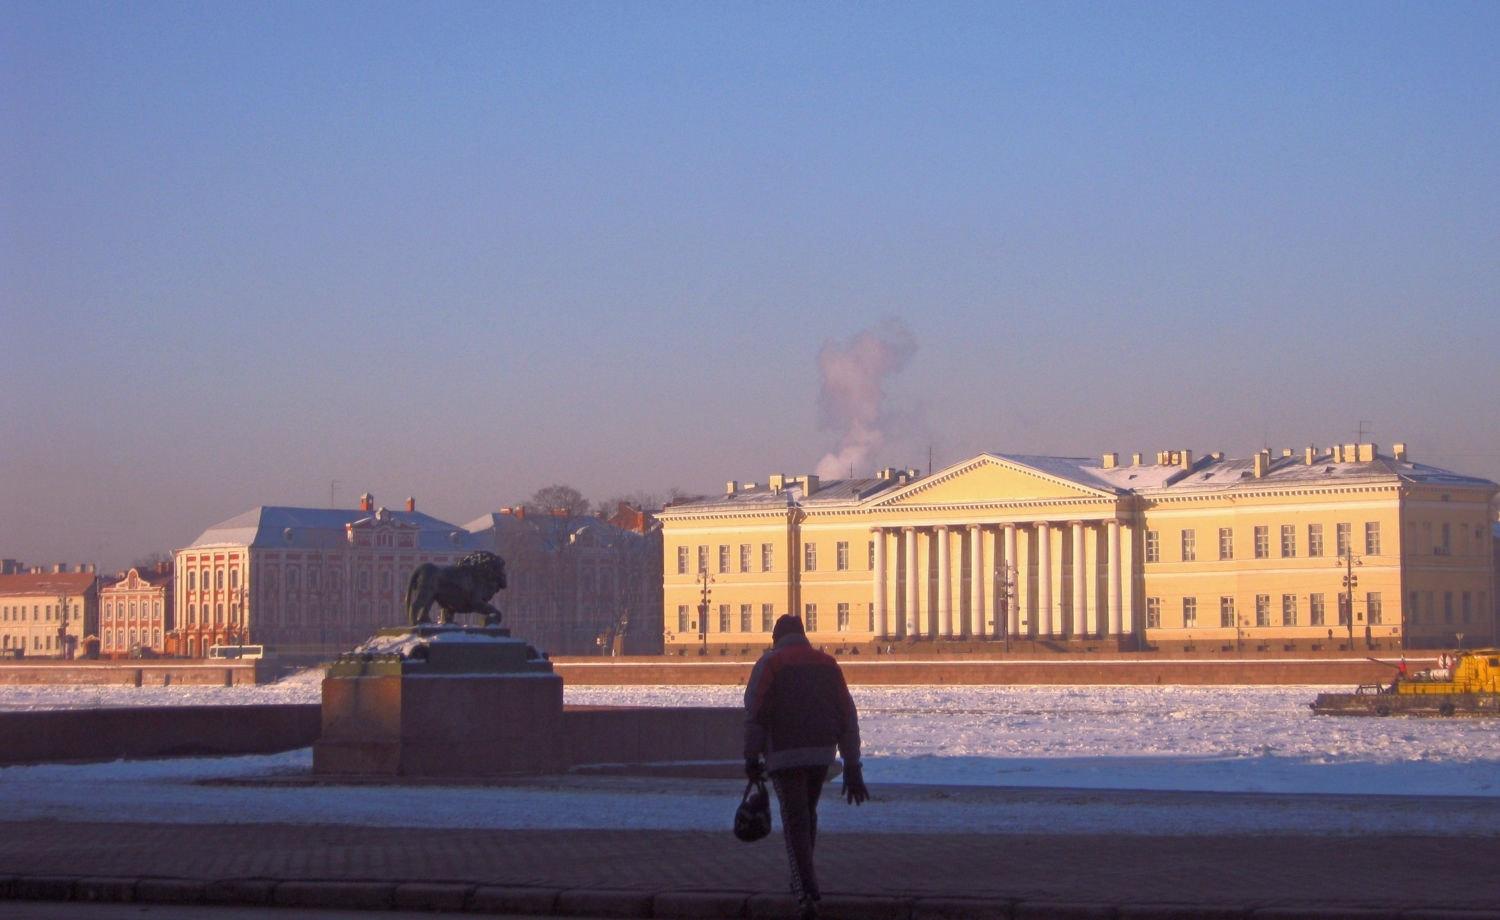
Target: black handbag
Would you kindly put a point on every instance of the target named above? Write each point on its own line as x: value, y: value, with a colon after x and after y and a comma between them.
x: 752, y: 820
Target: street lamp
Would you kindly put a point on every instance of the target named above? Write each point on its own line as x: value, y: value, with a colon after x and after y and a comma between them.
x: 1351, y: 581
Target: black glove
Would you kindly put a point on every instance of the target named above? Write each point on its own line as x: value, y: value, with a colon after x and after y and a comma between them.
x: 855, y: 792
x: 754, y: 770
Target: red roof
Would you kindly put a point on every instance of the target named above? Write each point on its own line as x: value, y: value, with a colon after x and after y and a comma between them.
x: 49, y: 584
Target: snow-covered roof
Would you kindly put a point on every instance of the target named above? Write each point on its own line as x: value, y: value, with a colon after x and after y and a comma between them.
x: 761, y: 497
x: 325, y: 528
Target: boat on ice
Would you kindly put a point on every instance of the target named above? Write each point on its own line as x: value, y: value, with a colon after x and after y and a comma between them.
x: 1464, y: 684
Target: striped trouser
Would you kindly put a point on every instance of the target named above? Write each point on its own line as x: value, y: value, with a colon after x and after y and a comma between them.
x: 797, y: 791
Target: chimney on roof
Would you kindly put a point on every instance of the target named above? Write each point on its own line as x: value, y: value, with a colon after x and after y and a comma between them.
x: 1367, y: 453
x: 162, y: 567
x: 1310, y: 455
x: 1398, y: 452
x: 411, y: 504
x: 809, y: 485
x: 732, y: 486
x: 367, y: 502
x: 1262, y: 463
x: 60, y: 568
x: 1351, y: 453
x: 1286, y: 451
x: 559, y: 512
x: 1135, y: 459
x: 778, y: 481
x: 1111, y: 461
x: 521, y: 512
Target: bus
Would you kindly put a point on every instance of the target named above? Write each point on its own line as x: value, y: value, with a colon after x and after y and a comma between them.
x: 237, y: 651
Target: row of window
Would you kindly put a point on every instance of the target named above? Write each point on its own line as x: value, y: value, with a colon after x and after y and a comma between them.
x: 767, y: 557
x: 751, y: 620
x: 218, y: 615
x: 194, y: 579
x: 110, y: 609
x: 119, y: 639
x: 1471, y: 606
x: 39, y: 613
x: 1266, y: 611
x: 38, y: 643
x: 1343, y: 534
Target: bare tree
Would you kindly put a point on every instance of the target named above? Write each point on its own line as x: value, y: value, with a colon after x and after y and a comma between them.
x: 557, y: 497
x: 641, y: 499
x: 149, y: 561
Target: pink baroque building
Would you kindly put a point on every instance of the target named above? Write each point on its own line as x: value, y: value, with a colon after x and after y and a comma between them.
x: 136, y: 611
x: 308, y: 583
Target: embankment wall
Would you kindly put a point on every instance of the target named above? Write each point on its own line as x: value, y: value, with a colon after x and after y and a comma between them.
x: 140, y: 673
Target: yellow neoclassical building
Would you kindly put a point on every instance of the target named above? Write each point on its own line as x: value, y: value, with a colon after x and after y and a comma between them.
x: 1167, y: 552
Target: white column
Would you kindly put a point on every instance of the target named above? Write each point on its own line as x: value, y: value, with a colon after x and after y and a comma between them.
x: 879, y: 578
x: 1044, y: 579
x: 1127, y: 574
x: 911, y: 581
x: 1114, y: 578
x: 1026, y: 621
x: 1080, y: 583
x: 1013, y: 575
x: 945, y: 586
x: 976, y: 582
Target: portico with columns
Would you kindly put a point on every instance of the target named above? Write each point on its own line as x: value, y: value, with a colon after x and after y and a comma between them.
x: 992, y: 549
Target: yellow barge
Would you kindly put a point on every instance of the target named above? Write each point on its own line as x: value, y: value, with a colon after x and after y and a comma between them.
x: 1470, y: 686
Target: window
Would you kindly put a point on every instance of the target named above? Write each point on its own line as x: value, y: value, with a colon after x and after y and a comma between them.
x: 767, y: 617
x: 841, y: 556
x: 809, y: 557
x: 682, y: 618
x: 1189, y: 545
x: 1189, y: 612
x: 219, y: 579
x: 682, y: 560
x: 1263, y: 543
x: 192, y: 581
x: 724, y: 559
x: 810, y: 617
x: 1288, y: 610
x: 364, y: 579
x: 843, y: 618
x: 745, y: 618
x: 1372, y: 608
x: 1429, y: 606
x: 1427, y: 548
x: 1315, y: 540
x: 871, y: 565
x: 291, y: 579
x: 234, y: 579
x: 1288, y: 541
x: 192, y: 615
x: 744, y: 557
x: 702, y: 559
x: 218, y: 614
x: 765, y: 557
x: 1315, y: 609
x: 1372, y: 538
x: 1226, y: 543
x: 1262, y: 610
x: 1153, y: 546
x: 1153, y: 613
x: 1468, y: 608
x: 1415, y: 611
x: 1343, y: 539
x: 1447, y: 548
x: 1226, y: 612
x: 1344, y: 604
x: 724, y: 623
x: 1447, y: 606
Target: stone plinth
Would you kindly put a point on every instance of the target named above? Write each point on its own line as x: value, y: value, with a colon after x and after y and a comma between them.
x: 436, y: 701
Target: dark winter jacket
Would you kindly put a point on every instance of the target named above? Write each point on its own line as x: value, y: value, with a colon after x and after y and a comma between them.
x: 798, y: 708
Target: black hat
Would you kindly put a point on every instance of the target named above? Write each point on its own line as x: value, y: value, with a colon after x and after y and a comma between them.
x: 787, y: 624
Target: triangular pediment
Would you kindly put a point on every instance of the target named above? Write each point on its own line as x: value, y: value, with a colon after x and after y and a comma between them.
x: 988, y: 478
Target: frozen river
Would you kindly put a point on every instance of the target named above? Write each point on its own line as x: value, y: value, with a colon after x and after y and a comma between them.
x: 940, y: 759
x: 1236, y: 739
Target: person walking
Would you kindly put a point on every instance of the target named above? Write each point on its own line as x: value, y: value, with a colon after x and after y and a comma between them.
x: 797, y: 712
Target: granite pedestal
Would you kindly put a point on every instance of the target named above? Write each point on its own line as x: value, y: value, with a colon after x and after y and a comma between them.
x: 441, y: 701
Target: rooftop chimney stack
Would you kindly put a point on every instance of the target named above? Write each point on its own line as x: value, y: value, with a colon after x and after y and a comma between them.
x: 1111, y: 461
x: 1135, y: 459
x: 367, y: 502
x: 732, y: 486
x: 809, y: 485
x: 1262, y: 462
x: 1310, y: 455
x: 411, y: 504
x: 1398, y: 452
x: 778, y: 482
x: 1367, y: 453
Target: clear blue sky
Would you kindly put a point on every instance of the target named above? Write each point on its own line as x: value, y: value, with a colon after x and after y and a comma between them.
x: 461, y: 251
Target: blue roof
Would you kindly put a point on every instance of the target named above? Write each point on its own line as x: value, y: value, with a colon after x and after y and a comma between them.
x: 324, y: 528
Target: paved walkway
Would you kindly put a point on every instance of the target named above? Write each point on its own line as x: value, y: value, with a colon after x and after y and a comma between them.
x: 639, y: 872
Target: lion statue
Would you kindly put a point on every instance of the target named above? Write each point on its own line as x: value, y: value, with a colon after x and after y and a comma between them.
x: 463, y: 588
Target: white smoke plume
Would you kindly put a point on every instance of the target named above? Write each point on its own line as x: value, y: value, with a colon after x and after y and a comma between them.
x: 853, y: 400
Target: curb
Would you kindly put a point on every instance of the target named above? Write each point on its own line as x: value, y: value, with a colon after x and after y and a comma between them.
x: 619, y: 904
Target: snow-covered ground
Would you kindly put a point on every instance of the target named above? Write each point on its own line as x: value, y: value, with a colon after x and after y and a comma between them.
x: 943, y: 758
